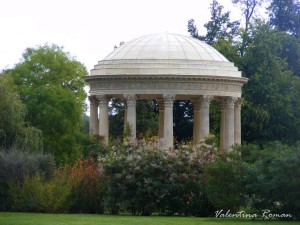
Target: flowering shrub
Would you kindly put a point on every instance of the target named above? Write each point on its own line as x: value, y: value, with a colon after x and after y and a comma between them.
x: 144, y: 178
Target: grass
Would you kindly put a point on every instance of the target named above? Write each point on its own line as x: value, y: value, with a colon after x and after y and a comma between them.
x: 84, y: 219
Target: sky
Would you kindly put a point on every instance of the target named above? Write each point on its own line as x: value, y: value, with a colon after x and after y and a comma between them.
x: 89, y: 29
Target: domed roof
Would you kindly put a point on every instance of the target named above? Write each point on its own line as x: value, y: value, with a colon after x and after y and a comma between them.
x: 165, y: 54
x: 166, y: 46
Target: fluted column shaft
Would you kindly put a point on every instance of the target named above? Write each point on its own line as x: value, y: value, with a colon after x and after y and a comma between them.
x: 103, y: 118
x: 197, y: 122
x: 168, y: 120
x: 229, y: 123
x: 222, y: 125
x: 237, y: 120
x: 161, y: 110
x: 204, y: 115
x: 93, y: 126
x: 131, y: 114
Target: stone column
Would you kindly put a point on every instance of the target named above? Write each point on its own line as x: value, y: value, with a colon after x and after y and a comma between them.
x: 222, y: 125
x: 94, y: 124
x: 237, y: 120
x: 229, y: 123
x: 161, y: 110
x: 168, y: 120
x: 204, y: 115
x: 196, y: 125
x: 131, y: 114
x: 103, y: 118
x: 125, y: 115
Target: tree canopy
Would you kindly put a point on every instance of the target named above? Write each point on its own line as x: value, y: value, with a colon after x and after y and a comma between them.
x: 51, y: 86
x: 268, y: 53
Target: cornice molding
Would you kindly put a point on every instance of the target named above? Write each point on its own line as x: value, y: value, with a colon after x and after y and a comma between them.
x: 170, y: 77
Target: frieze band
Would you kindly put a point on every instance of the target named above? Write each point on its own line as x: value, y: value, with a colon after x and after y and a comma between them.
x: 169, y: 85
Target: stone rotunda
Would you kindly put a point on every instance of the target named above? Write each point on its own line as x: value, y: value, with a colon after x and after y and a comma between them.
x: 168, y: 67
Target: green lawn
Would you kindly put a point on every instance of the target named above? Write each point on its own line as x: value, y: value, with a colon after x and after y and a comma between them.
x: 83, y: 219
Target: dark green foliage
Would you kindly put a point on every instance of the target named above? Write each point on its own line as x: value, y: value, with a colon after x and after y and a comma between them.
x: 192, y: 29
x: 269, y: 94
x: 285, y: 15
x: 271, y: 60
x: 219, y: 27
x: 16, y: 164
x: 147, y: 118
x: 224, y: 181
x: 13, y: 129
x: 116, y: 118
x: 272, y: 178
x: 12, y: 112
x: 291, y: 53
x: 183, y: 120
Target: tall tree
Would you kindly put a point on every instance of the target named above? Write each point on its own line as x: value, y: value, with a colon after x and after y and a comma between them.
x: 248, y: 8
x: 269, y: 112
x: 285, y: 15
x: 12, y: 112
x: 219, y: 27
x: 192, y: 28
x: 52, y: 88
x: 14, y: 131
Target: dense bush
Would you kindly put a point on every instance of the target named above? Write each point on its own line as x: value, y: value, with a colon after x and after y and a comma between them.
x: 88, y: 187
x: 143, y: 178
x: 272, y: 180
x: 260, y: 178
x: 16, y: 164
x: 77, y: 188
x: 224, y: 181
x: 35, y: 194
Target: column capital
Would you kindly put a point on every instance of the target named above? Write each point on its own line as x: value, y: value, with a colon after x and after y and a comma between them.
x: 229, y: 101
x: 93, y: 101
x: 238, y: 102
x: 130, y: 99
x: 168, y: 99
x: 102, y: 99
x: 205, y: 100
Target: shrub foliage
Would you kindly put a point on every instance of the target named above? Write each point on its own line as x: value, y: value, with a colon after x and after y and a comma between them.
x: 144, y: 179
